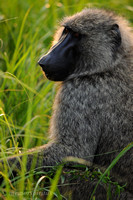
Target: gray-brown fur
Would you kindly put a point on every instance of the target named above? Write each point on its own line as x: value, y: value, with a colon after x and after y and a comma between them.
x: 93, y: 109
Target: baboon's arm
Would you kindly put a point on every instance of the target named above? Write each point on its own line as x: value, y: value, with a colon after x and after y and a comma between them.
x: 40, y: 157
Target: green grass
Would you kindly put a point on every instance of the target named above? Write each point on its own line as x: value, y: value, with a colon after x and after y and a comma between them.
x: 26, y: 97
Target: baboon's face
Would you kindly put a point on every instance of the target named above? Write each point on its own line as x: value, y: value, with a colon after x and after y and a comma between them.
x: 59, y: 62
x: 89, y: 39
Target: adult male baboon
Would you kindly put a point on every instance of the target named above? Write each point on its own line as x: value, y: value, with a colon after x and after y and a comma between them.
x: 93, y: 109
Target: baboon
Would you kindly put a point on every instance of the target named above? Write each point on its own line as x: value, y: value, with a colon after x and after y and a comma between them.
x: 92, y: 57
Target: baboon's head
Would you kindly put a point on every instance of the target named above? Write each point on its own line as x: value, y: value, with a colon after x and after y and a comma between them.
x: 89, y: 42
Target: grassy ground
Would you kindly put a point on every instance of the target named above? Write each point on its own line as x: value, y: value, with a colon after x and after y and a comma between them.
x: 26, y: 29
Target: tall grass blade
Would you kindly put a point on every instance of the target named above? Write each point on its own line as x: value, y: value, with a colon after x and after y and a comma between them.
x: 127, y: 148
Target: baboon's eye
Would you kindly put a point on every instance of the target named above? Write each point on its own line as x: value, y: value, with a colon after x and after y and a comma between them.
x: 66, y: 30
x: 76, y: 35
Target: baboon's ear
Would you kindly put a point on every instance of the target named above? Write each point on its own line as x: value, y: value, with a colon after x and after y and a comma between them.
x: 116, y: 34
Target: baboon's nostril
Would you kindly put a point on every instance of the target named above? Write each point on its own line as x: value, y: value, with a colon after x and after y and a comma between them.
x: 42, y: 65
x: 41, y: 62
